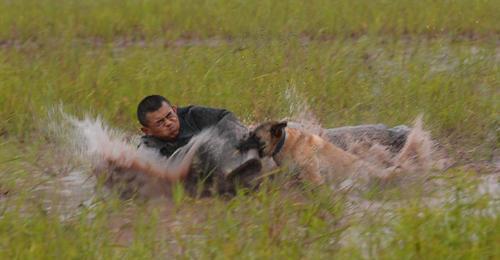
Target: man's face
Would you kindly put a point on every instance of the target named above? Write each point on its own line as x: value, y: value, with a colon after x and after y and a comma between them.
x: 163, y: 123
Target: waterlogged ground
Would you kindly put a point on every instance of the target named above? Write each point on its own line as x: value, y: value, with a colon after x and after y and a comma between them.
x: 283, y: 219
x: 331, y: 64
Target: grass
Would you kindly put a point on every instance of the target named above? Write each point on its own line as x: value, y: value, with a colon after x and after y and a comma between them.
x: 351, y: 81
x: 147, y: 19
x: 351, y: 62
x: 270, y: 223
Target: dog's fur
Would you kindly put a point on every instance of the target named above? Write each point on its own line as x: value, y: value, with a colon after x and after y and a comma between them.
x: 315, y: 158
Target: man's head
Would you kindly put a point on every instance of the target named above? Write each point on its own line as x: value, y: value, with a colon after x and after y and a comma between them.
x: 158, y: 117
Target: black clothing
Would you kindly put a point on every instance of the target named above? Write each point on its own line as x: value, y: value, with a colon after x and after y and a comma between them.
x: 192, y: 120
x: 217, y: 163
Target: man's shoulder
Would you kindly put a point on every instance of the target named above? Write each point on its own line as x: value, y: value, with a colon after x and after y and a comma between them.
x: 200, y: 111
x: 192, y: 109
x: 184, y: 110
x: 197, y: 108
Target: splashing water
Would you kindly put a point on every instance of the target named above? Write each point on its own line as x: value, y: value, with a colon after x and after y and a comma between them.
x: 300, y: 113
x: 110, y: 154
x: 92, y: 144
x: 90, y: 139
x: 93, y: 141
x: 97, y: 141
x: 100, y: 143
x: 417, y: 152
x: 415, y: 156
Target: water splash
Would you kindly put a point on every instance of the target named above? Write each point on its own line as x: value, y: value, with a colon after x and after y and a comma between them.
x: 300, y: 113
x: 111, y: 153
x: 92, y: 140
x: 90, y: 144
x: 416, y: 155
x: 414, y: 158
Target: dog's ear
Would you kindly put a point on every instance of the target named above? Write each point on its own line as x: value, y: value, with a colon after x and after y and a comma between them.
x: 277, y: 129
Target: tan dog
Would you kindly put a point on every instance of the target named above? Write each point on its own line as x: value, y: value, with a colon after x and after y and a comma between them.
x: 314, y: 157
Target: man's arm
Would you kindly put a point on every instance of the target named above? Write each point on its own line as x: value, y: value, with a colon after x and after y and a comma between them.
x: 205, y: 117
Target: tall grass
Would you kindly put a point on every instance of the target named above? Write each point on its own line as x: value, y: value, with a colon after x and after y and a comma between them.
x: 138, y: 19
x: 346, y: 82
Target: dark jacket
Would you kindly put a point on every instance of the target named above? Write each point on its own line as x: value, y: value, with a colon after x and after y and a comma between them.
x: 218, y: 164
x: 192, y: 120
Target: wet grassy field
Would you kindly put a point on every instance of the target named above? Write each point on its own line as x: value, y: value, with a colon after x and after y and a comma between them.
x: 352, y: 62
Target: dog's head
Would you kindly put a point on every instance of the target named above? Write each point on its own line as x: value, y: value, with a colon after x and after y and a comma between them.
x: 264, y: 138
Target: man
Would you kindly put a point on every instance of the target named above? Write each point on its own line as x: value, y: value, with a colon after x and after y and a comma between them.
x: 169, y: 130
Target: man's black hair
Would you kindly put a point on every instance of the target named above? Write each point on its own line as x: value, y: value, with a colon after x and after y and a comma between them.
x: 149, y: 104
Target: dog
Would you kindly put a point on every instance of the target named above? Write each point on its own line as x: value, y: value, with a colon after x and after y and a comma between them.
x: 316, y: 159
